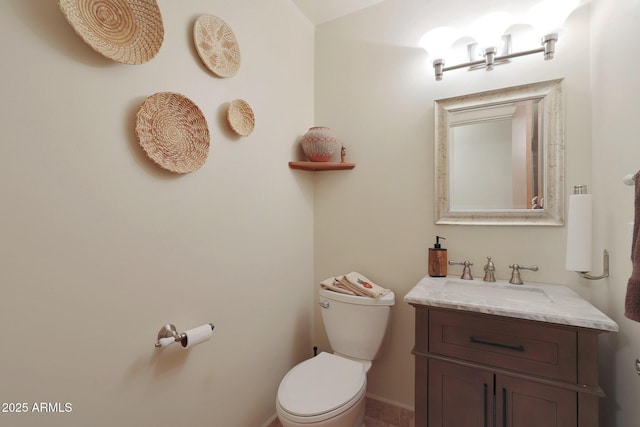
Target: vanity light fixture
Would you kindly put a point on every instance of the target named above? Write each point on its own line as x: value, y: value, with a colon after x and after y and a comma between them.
x: 490, y: 58
x: 546, y: 17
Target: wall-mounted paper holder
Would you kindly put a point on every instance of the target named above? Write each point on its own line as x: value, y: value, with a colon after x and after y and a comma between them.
x: 605, y: 273
x: 168, y: 334
x: 579, y: 226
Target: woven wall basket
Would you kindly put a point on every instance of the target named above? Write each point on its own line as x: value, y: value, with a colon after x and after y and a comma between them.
x: 173, y: 132
x: 240, y: 117
x: 127, y: 31
x: 217, y: 46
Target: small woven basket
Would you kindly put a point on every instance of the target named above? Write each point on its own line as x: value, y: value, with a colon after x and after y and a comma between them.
x: 216, y: 45
x: 240, y: 117
x: 173, y: 132
x: 130, y: 32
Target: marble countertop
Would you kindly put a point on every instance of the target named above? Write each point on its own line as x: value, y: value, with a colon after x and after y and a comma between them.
x: 532, y: 301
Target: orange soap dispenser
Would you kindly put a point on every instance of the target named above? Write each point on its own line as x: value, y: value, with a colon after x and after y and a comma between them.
x: 438, y: 259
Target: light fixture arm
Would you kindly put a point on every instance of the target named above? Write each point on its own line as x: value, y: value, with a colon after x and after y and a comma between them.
x: 605, y: 273
x: 548, y: 48
x: 549, y: 44
x: 490, y: 57
x: 438, y: 68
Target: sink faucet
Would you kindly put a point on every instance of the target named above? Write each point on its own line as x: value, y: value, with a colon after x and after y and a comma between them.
x: 466, y: 271
x: 515, y: 274
x: 489, y: 271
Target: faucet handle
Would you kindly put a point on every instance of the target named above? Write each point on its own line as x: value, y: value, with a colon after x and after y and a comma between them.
x: 489, y: 271
x: 515, y: 274
x: 466, y: 271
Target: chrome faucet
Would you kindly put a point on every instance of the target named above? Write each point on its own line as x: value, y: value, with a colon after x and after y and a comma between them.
x: 515, y: 274
x: 489, y: 271
x: 466, y: 271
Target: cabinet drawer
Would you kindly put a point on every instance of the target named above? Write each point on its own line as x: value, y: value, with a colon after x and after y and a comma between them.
x: 524, y: 346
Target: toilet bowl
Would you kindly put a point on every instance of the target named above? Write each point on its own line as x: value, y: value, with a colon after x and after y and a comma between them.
x: 329, y: 390
x: 325, y: 391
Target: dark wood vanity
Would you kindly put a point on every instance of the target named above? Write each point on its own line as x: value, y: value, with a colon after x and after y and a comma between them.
x: 483, y: 370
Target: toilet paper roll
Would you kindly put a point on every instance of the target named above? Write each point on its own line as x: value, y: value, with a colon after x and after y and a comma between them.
x: 166, y: 341
x: 579, y: 233
x: 196, y: 336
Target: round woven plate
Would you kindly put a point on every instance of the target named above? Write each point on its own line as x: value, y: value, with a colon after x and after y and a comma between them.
x: 127, y: 31
x: 173, y: 132
x: 240, y: 117
x: 217, y: 46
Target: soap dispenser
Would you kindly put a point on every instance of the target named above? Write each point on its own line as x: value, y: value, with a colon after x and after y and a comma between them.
x: 438, y: 259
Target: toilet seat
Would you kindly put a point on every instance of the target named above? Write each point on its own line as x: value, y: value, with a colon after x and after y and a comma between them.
x: 321, y: 388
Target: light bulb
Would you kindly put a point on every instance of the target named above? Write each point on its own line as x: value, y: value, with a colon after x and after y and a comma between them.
x: 438, y: 41
x: 548, y: 16
x: 488, y: 29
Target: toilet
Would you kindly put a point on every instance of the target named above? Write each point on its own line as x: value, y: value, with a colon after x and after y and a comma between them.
x: 329, y: 390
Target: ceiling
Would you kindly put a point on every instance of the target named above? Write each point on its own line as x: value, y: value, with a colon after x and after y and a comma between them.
x: 319, y: 11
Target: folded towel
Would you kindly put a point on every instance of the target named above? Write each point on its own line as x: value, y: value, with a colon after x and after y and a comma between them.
x: 333, y: 285
x: 632, y: 298
x: 354, y: 284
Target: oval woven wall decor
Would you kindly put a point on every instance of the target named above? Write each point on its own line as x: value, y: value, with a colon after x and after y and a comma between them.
x: 127, y: 31
x: 217, y: 46
x: 173, y: 132
x: 240, y: 117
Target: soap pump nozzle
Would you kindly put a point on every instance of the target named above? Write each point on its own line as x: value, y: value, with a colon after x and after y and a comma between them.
x: 438, y: 245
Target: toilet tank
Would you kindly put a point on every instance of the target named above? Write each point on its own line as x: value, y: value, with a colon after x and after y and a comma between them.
x: 355, y: 325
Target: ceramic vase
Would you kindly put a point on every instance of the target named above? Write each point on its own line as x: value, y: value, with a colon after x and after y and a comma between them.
x: 319, y: 144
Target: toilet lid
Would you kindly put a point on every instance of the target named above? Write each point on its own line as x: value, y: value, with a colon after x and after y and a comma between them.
x: 320, y: 385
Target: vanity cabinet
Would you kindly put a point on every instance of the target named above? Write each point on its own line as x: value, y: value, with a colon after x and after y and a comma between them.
x: 484, y: 370
x: 460, y: 395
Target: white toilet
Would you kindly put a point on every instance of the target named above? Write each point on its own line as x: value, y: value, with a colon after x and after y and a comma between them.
x: 329, y: 390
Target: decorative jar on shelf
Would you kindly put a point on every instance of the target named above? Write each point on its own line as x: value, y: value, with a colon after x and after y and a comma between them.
x: 319, y: 144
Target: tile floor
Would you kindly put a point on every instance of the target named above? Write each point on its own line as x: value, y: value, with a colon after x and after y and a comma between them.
x: 382, y: 414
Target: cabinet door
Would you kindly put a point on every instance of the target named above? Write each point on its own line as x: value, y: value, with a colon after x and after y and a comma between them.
x: 521, y: 403
x: 459, y: 396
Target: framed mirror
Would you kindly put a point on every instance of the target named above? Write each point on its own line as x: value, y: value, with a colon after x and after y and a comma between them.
x: 499, y: 157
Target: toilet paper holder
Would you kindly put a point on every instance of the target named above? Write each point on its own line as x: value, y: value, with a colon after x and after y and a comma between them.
x: 168, y: 334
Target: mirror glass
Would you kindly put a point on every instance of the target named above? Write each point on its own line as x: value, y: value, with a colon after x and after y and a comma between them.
x: 499, y: 156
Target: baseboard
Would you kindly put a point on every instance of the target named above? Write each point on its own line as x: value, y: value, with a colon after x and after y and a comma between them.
x: 272, y: 421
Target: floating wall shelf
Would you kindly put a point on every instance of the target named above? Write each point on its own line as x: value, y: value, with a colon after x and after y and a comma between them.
x: 321, y: 166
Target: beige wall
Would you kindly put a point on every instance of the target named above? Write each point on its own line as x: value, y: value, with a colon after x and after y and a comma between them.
x: 100, y: 247
x: 375, y: 89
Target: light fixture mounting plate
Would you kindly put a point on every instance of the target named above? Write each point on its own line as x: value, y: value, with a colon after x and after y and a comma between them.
x: 474, y: 53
